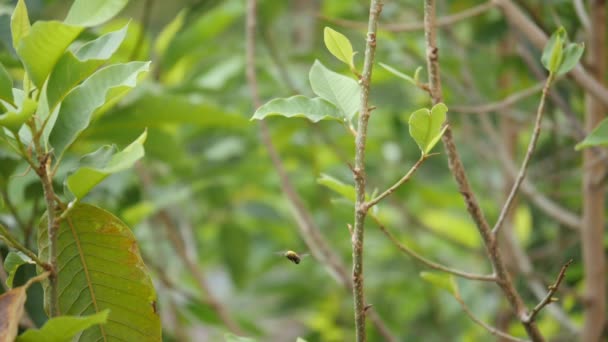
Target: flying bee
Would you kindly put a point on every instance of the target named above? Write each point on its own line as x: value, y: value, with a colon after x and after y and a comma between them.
x: 293, y: 256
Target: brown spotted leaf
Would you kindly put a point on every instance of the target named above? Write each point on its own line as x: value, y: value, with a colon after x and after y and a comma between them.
x: 11, y: 310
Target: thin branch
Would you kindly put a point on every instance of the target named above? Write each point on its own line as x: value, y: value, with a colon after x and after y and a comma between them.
x: 490, y: 329
x: 399, y: 183
x: 359, y: 170
x: 499, y: 105
x: 429, y: 263
x: 552, y: 289
x: 524, y: 166
x: 14, y: 243
x: 581, y: 13
x: 503, y: 278
x: 418, y: 26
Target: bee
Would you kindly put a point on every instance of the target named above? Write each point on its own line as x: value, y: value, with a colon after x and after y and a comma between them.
x: 293, y: 256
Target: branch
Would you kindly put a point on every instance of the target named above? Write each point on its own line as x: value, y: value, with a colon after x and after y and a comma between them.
x: 399, y: 183
x: 359, y: 169
x: 524, y: 166
x: 418, y: 26
x: 552, y: 289
x: 13, y: 243
x: 499, y: 105
x: 429, y: 263
x: 490, y: 329
x: 457, y: 169
x: 581, y: 13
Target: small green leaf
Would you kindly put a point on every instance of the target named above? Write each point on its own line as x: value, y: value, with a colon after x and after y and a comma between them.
x: 11, y: 264
x: 166, y: 35
x: 441, y: 280
x: 6, y: 86
x: 338, y: 89
x: 43, y: 46
x: 339, y: 46
x: 346, y: 190
x: 597, y: 137
x: 572, y: 54
x: 89, y: 13
x: 98, y: 165
x: 63, y: 328
x: 14, y: 119
x: 399, y: 73
x: 79, y: 104
x: 425, y: 126
x: 553, y: 51
x: 20, y: 23
x: 299, y: 106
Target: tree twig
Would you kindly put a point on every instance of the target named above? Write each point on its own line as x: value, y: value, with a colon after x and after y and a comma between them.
x: 13, y: 243
x: 503, y: 278
x: 498, y: 105
x: 359, y: 170
x: 429, y: 263
x: 524, y: 166
x: 552, y: 289
x: 418, y: 26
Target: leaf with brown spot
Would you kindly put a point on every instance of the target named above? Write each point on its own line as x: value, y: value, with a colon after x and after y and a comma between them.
x: 11, y: 310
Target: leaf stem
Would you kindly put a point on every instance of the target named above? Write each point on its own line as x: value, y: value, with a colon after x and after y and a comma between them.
x: 399, y: 183
x: 14, y: 243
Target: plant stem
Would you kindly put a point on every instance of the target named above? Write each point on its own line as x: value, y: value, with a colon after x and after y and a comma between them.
x: 14, y: 243
x: 359, y: 170
x: 524, y: 166
x: 399, y: 183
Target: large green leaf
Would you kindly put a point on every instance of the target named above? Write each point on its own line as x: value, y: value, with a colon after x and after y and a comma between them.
x: 98, y: 165
x: 43, y: 46
x: 74, y: 67
x: 100, y: 268
x: 93, y: 12
x: 6, y: 86
x: 79, y: 104
x: 20, y: 23
x: 63, y: 328
x: 338, y: 89
x: 299, y: 106
x: 597, y: 137
x: 425, y: 126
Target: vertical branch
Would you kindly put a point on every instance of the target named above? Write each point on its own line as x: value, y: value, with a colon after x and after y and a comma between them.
x: 359, y: 169
x: 592, y: 232
x: 456, y: 167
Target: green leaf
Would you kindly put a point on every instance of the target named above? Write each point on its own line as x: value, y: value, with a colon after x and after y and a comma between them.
x: 339, y: 46
x: 14, y: 119
x: 20, y: 23
x: 399, y: 73
x: 597, y: 137
x: 74, y: 67
x: 346, y: 190
x: 93, y: 12
x: 6, y: 86
x: 97, y: 166
x: 100, y: 268
x: 315, y: 109
x: 443, y: 281
x: 43, y: 46
x: 63, y: 328
x: 425, y: 126
x: 229, y: 337
x: 79, y: 104
x: 11, y: 265
x: 572, y: 54
x: 167, y: 34
x: 338, y: 89
x: 553, y: 51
